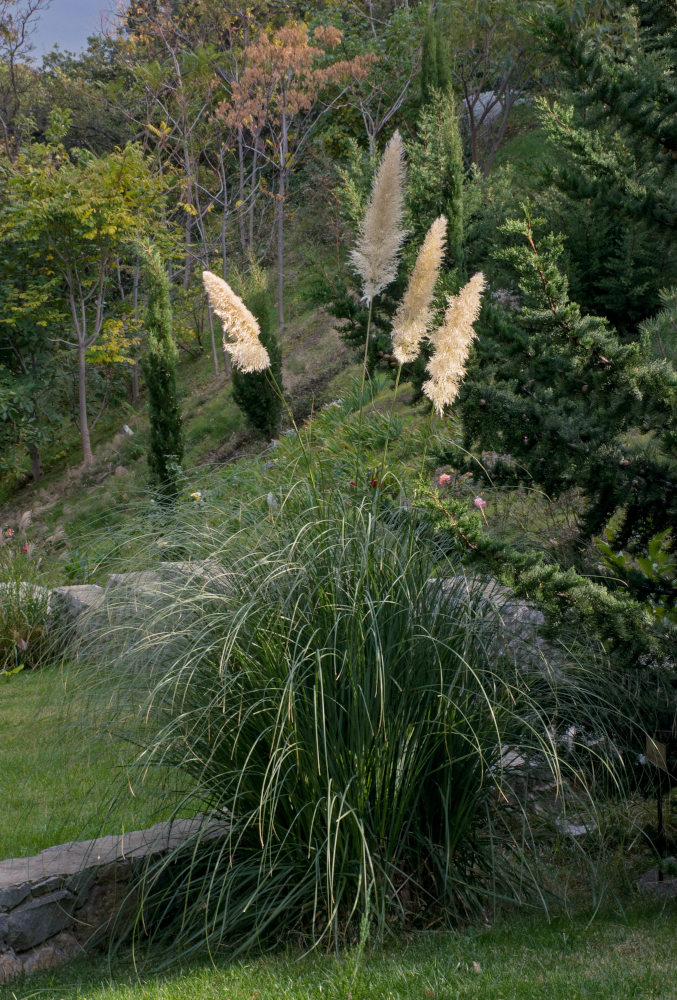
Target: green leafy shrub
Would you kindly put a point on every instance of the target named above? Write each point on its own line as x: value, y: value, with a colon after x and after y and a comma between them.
x: 342, y: 699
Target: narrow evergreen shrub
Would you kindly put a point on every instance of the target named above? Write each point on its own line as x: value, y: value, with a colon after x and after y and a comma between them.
x: 259, y: 394
x: 436, y: 174
x: 165, y: 449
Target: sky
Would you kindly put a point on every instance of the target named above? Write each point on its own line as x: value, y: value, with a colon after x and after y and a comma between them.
x: 68, y: 23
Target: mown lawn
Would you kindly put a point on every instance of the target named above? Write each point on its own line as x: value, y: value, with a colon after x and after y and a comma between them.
x: 57, y: 777
x: 616, y: 957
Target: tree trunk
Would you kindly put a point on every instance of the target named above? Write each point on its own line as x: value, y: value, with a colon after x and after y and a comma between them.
x: 134, y: 391
x: 252, y: 199
x: 215, y: 357
x: 37, y: 470
x: 240, y: 191
x: 284, y: 166
x: 224, y: 215
x: 87, y: 456
x: 280, y: 257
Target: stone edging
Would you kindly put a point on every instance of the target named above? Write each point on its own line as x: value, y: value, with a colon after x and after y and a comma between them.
x: 56, y: 903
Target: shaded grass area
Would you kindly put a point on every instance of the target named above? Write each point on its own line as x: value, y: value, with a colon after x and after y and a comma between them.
x: 629, y: 955
x: 56, y: 780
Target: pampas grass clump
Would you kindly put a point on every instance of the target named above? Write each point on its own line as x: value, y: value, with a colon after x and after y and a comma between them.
x: 335, y: 693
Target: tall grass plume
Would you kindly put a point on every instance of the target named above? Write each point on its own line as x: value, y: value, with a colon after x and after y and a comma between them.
x: 245, y: 347
x: 376, y: 253
x: 452, y: 341
x: 414, y: 312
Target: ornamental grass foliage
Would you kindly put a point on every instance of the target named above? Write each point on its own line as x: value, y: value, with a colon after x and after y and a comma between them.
x: 340, y: 700
x: 339, y: 703
x: 25, y: 641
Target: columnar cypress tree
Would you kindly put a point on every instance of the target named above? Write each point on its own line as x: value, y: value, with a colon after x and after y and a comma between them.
x: 436, y: 175
x: 165, y: 451
x: 259, y: 394
x: 434, y: 60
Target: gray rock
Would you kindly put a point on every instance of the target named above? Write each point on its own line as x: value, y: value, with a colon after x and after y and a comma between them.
x: 79, y: 855
x: 652, y: 884
x: 520, y: 622
x: 59, y: 949
x: 13, y: 895
x: 39, y: 919
x: 10, y: 966
x: 146, y: 579
x: 4, y: 924
x: 72, y: 602
x: 80, y: 884
x: 200, y: 571
x: 51, y: 884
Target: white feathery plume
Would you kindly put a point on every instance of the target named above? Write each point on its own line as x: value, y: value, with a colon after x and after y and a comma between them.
x: 414, y: 312
x: 452, y: 341
x: 244, y: 346
x: 376, y: 253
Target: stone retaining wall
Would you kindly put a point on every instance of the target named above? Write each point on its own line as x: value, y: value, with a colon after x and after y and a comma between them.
x: 66, y: 898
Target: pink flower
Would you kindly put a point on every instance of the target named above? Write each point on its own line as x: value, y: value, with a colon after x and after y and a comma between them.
x: 445, y: 479
x: 9, y: 532
x: 480, y: 503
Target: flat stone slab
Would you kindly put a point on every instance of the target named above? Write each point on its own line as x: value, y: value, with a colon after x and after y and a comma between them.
x: 69, y: 859
x: 651, y: 884
x: 145, y: 579
x: 206, y: 570
x: 75, y: 600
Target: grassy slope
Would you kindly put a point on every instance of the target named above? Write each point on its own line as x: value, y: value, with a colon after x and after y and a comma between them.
x: 630, y: 957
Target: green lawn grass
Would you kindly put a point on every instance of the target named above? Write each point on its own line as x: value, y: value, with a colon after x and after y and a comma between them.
x: 57, y: 780
x: 616, y: 957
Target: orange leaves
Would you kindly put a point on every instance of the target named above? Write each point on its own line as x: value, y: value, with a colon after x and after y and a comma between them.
x: 284, y: 73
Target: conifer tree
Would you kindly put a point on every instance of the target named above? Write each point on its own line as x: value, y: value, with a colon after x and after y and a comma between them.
x: 259, y: 394
x: 165, y: 452
x: 616, y: 137
x: 572, y: 404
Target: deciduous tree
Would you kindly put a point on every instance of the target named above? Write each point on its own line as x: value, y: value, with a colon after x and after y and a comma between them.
x: 85, y: 211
